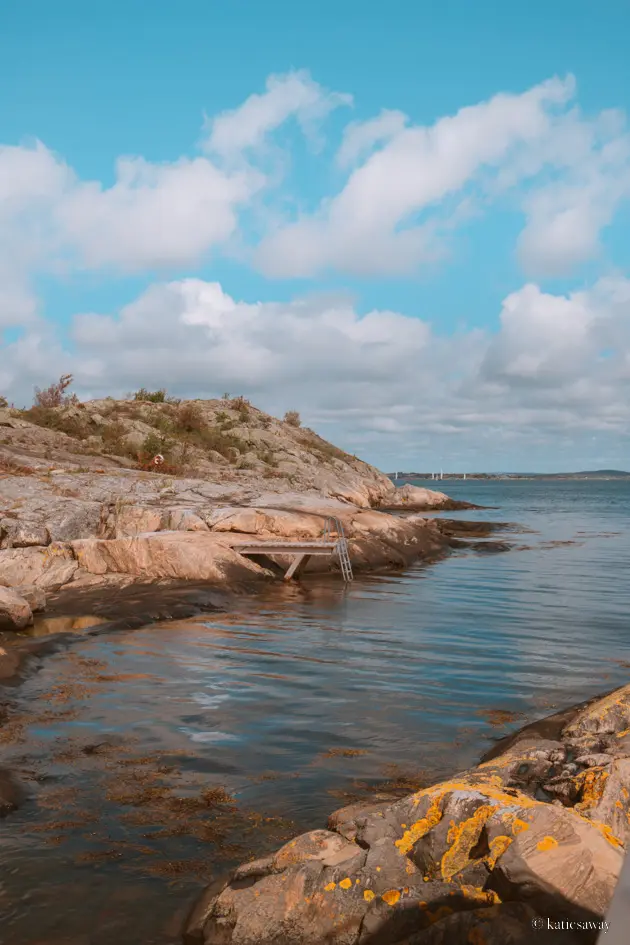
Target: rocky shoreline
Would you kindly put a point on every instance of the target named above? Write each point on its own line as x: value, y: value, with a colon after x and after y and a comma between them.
x: 538, y: 828
x: 99, y: 520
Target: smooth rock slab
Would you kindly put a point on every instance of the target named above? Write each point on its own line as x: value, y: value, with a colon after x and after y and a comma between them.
x: 177, y: 555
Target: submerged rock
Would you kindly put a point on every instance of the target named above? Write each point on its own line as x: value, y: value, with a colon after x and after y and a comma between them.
x: 537, y: 829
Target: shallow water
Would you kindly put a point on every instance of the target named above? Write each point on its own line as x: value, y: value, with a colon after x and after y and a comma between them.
x: 302, y: 698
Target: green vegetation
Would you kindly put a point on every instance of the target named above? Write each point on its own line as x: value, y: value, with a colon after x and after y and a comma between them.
x: 155, y: 396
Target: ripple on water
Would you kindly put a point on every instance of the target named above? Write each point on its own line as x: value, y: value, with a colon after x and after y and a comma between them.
x: 161, y: 757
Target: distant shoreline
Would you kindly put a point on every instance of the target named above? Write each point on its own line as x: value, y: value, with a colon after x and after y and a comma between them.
x: 596, y: 475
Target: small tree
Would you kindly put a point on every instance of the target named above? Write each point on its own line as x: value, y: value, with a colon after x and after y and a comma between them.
x: 55, y: 395
x: 292, y: 417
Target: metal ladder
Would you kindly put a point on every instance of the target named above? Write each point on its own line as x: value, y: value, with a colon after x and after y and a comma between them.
x: 334, y: 529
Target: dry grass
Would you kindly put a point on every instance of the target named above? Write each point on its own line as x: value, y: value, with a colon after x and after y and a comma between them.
x: 8, y: 467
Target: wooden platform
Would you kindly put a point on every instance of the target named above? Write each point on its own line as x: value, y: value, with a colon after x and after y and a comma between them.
x: 300, y: 550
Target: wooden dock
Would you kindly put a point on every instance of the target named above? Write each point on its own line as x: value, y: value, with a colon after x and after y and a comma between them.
x: 300, y: 550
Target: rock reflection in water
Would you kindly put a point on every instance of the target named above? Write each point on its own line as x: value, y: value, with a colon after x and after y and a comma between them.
x: 157, y: 759
x: 44, y: 626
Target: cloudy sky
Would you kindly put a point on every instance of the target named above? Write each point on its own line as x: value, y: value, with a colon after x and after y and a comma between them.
x: 410, y: 221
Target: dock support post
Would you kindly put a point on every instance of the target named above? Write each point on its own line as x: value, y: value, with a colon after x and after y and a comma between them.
x: 298, y: 564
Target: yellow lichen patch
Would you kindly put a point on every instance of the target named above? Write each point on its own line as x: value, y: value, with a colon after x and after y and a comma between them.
x: 591, y: 783
x: 489, y: 786
x: 368, y: 895
x: 623, y: 734
x: 463, y: 838
x: 477, y: 894
x: 547, y: 843
x: 391, y: 897
x: 345, y: 883
x: 624, y: 792
x: 330, y: 887
x: 498, y: 846
x: 619, y: 805
x: 518, y: 826
x: 605, y: 830
x: 421, y: 827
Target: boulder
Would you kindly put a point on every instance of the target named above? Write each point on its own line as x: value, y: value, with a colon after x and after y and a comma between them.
x: 49, y: 568
x: 270, y: 522
x: 156, y: 555
x: 125, y: 520
x: 15, y: 613
x: 74, y: 519
x: 34, y: 596
x: 472, y: 859
x: 23, y: 533
x: 185, y: 520
x: 416, y: 497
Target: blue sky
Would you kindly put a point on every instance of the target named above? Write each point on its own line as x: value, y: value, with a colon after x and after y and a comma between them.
x: 371, y: 293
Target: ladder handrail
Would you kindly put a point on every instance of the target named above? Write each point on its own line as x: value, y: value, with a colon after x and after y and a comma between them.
x: 332, y: 526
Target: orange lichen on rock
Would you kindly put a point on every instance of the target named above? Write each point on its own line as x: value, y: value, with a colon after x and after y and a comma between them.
x: 607, y: 833
x: 477, y: 894
x: 498, y: 846
x: 591, y: 783
x: 368, y: 895
x: 421, y: 827
x: 547, y: 843
x: 463, y: 838
x: 391, y: 897
x: 514, y: 821
x: 330, y: 887
x: 345, y: 883
x: 490, y: 786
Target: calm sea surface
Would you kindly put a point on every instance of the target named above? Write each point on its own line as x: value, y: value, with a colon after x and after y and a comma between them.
x: 156, y: 759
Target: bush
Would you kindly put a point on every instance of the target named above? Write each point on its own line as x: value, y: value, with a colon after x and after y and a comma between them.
x: 155, y: 396
x: 150, y: 396
x: 155, y: 443
x: 189, y: 418
x: 292, y: 417
x: 113, y: 435
x: 3, y: 401
x: 55, y: 395
x: 53, y: 419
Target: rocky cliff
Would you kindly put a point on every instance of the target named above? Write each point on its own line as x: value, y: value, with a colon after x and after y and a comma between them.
x: 81, y: 501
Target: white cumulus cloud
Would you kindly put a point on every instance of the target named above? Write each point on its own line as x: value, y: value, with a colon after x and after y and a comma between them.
x: 294, y: 95
x: 385, y: 384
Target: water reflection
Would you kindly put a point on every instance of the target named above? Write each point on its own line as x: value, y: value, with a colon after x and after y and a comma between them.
x: 158, y: 758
